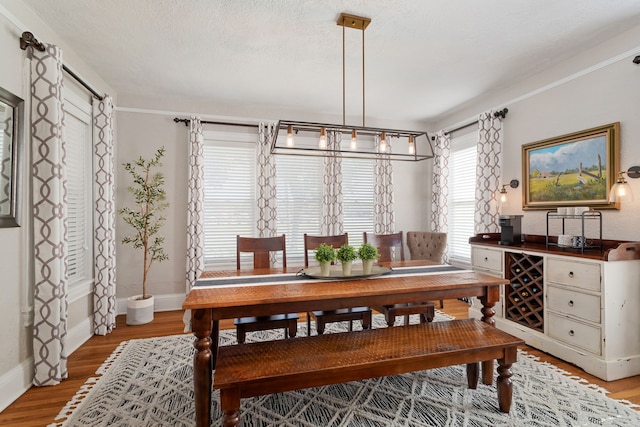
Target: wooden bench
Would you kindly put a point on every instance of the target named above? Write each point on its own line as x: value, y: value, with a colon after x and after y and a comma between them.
x: 277, y: 366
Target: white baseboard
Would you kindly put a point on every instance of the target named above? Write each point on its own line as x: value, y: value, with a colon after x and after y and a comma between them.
x: 79, y: 334
x: 165, y: 302
x: 15, y: 383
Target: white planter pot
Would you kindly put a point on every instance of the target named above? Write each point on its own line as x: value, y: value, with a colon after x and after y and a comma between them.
x: 367, y: 266
x: 346, y: 268
x: 139, y: 311
x: 325, y: 268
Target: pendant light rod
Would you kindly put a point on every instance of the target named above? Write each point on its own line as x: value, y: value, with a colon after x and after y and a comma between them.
x: 360, y: 23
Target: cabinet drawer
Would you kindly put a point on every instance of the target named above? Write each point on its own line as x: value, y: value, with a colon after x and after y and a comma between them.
x: 575, y: 333
x: 486, y: 259
x: 576, y: 304
x: 571, y: 273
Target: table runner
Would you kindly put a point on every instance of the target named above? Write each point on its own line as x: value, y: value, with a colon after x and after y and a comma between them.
x: 301, y: 278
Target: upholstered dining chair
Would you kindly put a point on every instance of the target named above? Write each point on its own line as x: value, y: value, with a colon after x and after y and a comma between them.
x: 387, y: 244
x: 429, y: 245
x: 261, y: 247
x: 322, y: 318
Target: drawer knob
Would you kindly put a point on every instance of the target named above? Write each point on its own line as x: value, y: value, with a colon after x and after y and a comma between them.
x: 571, y: 333
x: 571, y: 274
x: 570, y: 304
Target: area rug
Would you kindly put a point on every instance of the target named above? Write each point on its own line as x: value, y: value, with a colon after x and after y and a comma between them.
x: 148, y: 382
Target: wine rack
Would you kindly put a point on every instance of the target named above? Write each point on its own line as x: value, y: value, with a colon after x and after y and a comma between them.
x: 524, y: 301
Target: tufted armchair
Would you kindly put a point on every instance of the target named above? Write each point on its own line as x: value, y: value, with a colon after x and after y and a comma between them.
x: 427, y: 245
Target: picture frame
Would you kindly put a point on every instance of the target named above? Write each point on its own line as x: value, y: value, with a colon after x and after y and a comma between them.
x: 576, y: 169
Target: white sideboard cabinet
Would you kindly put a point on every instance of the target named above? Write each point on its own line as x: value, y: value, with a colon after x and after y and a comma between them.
x: 583, y: 308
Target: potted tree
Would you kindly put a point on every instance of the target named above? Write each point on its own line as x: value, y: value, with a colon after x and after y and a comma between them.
x: 146, y: 220
x: 325, y: 255
x: 368, y: 253
x: 346, y: 254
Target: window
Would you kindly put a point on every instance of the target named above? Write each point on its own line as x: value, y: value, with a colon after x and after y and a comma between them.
x: 229, y: 193
x: 299, y: 190
x: 462, y: 188
x: 230, y: 206
x: 358, y: 182
x: 78, y: 149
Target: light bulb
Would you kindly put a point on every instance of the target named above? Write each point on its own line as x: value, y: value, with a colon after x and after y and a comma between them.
x: 290, y: 142
x: 383, y: 142
x: 323, y: 138
x: 354, y: 139
x: 412, y: 145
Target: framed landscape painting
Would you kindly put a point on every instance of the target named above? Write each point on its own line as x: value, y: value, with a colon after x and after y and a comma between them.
x: 576, y: 169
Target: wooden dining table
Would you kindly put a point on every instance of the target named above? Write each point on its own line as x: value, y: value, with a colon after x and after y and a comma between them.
x: 261, y: 292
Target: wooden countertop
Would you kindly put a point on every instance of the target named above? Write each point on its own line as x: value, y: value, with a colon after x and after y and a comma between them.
x: 612, y: 250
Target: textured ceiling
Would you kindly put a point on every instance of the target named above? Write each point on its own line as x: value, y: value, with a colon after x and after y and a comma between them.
x: 422, y: 58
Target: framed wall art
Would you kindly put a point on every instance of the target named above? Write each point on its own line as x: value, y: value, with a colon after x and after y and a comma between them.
x: 577, y: 169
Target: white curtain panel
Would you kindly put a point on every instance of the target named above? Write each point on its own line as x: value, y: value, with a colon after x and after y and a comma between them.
x: 440, y: 183
x: 49, y: 218
x: 383, y: 193
x: 488, y: 173
x: 332, y: 187
x: 195, y: 203
x: 104, y: 292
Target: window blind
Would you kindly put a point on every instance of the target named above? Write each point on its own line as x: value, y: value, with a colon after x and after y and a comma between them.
x: 299, y: 201
x: 358, y: 182
x: 229, y: 197
x: 462, y: 185
x: 78, y: 145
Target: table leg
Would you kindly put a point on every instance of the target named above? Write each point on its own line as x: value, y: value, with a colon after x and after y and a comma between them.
x: 202, y: 365
x: 487, y: 317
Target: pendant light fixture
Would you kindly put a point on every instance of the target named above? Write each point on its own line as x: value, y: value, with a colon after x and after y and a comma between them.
x: 364, y: 142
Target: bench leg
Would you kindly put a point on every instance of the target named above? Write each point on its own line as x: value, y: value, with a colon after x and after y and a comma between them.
x: 504, y: 385
x: 230, y: 405
x: 473, y: 371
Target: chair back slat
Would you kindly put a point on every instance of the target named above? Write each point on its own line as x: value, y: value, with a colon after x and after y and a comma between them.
x: 261, y: 248
x: 385, y: 243
x: 311, y: 243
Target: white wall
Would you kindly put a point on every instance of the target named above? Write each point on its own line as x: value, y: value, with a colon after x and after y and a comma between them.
x: 16, y: 261
x: 594, y: 88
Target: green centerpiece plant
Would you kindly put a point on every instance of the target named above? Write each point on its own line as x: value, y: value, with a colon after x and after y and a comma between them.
x: 325, y: 255
x: 368, y: 254
x: 146, y: 220
x: 346, y: 254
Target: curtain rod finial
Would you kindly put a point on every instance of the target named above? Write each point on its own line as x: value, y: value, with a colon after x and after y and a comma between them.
x: 29, y: 40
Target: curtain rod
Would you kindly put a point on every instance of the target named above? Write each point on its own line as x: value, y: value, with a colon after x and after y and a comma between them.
x: 187, y: 121
x: 500, y: 113
x: 28, y: 40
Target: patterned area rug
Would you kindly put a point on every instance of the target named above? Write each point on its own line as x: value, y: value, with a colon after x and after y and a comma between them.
x: 148, y: 382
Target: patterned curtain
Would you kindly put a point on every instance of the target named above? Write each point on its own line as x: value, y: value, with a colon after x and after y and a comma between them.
x: 195, y: 202
x: 104, y: 292
x: 383, y: 193
x: 49, y: 218
x: 5, y: 162
x: 440, y: 183
x: 267, y: 206
x: 332, y: 187
x: 488, y: 173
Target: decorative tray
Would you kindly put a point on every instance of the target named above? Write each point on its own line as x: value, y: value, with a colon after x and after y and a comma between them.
x: 336, y: 273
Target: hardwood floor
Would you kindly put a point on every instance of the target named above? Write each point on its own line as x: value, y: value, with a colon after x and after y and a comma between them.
x: 40, y: 405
